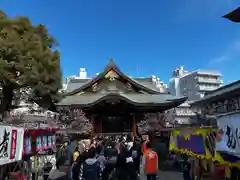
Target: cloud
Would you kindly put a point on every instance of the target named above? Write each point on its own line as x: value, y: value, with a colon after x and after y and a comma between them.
x: 218, y: 60
x: 231, y: 51
x: 236, y: 45
x: 196, y: 9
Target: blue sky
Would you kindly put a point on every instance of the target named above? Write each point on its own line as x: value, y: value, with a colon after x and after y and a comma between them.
x: 143, y: 37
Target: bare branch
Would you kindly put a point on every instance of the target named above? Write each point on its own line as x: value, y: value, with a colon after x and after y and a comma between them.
x: 75, y: 120
x: 155, y: 122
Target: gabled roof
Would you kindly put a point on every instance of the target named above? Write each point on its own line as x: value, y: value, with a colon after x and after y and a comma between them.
x: 228, y: 90
x: 166, y: 100
x: 74, y: 84
x: 112, y: 66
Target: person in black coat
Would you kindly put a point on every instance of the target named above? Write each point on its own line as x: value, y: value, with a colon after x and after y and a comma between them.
x: 136, y: 154
x: 125, y: 168
x: 186, y: 168
x: 76, y: 166
x: 76, y: 169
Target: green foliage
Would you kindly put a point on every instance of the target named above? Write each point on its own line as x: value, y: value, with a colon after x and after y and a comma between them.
x: 28, y: 60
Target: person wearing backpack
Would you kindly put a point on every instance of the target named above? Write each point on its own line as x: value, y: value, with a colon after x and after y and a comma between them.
x: 100, y: 155
x: 91, y: 168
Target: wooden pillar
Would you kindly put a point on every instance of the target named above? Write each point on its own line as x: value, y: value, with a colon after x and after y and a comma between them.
x: 96, y: 125
x: 134, y: 126
x: 100, y: 125
x: 93, y: 125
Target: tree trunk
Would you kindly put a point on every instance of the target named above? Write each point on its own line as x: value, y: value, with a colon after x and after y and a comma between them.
x: 6, y: 103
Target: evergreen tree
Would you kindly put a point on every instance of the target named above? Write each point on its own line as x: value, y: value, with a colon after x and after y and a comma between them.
x: 28, y: 60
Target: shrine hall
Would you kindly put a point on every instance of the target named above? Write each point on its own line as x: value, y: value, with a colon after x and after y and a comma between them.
x: 114, y: 102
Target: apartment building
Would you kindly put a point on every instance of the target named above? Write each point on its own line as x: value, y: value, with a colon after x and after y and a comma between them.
x: 194, y: 85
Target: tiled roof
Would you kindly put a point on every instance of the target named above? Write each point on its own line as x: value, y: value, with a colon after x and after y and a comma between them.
x: 72, y: 89
x: 77, y: 83
x: 136, y: 99
x: 228, y: 90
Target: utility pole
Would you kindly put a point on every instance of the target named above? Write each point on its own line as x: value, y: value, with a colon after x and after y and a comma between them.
x: 137, y: 72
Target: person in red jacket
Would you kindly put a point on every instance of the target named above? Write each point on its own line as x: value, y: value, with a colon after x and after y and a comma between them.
x: 150, y: 162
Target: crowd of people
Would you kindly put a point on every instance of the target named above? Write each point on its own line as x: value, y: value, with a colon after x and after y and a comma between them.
x: 113, y: 158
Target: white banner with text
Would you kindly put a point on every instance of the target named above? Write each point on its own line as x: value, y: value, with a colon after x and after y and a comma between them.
x: 228, y: 136
x: 11, y: 144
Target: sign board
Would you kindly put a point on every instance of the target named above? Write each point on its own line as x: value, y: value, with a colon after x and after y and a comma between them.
x: 228, y: 135
x: 194, y: 143
x: 11, y: 144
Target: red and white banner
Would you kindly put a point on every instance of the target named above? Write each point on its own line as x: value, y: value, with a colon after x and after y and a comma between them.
x: 11, y: 144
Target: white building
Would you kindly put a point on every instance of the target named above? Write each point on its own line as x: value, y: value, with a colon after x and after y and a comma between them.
x: 193, y: 85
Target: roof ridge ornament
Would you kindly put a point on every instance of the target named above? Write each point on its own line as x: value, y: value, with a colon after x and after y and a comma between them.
x: 111, y: 75
x: 111, y: 65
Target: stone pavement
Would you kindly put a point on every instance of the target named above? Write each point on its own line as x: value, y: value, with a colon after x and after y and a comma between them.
x: 166, y: 175
x: 162, y: 175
